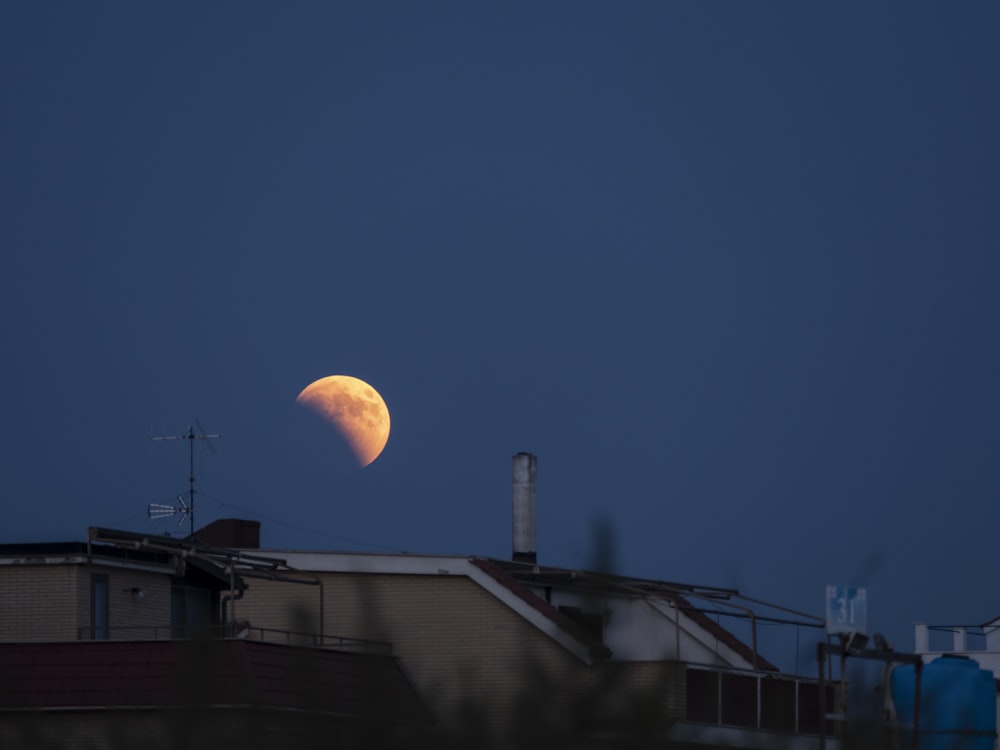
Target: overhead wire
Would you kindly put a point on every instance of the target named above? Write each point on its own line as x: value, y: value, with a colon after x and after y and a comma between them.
x: 272, y: 519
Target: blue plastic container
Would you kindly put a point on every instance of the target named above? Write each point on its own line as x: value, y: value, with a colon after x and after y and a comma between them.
x: 958, y: 709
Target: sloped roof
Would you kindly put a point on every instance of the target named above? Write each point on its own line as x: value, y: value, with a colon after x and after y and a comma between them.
x: 93, y: 674
x: 516, y: 572
x: 699, y: 616
x: 512, y: 581
x: 595, y: 647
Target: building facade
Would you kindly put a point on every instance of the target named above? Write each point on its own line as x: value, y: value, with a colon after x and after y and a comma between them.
x: 516, y: 644
x: 506, y: 652
x: 108, y: 645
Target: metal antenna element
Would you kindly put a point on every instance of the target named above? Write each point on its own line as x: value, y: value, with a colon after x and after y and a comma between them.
x: 156, y: 510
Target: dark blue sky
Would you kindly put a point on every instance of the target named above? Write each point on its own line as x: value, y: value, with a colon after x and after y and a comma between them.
x: 729, y: 269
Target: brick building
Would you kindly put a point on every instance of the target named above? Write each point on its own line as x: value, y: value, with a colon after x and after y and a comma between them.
x: 508, y: 650
x: 490, y: 646
x: 524, y: 644
x: 111, y: 645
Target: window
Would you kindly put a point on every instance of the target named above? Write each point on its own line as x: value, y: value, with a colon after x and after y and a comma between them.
x: 99, y: 606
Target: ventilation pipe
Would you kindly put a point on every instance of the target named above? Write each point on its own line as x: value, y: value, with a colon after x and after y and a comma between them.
x: 525, y: 467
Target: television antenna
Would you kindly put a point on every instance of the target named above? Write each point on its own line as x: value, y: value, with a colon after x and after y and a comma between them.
x: 183, y: 509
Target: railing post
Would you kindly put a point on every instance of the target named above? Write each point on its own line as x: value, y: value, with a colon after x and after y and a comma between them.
x: 760, y: 696
x: 821, y: 701
x: 798, y: 687
x: 718, y: 695
x: 921, y: 639
x: 958, y: 640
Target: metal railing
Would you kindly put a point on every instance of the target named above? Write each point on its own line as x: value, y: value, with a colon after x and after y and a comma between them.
x: 955, y: 639
x: 228, y: 632
x: 754, y: 700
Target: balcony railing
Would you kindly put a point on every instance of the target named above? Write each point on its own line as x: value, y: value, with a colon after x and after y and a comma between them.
x: 755, y: 700
x: 264, y: 635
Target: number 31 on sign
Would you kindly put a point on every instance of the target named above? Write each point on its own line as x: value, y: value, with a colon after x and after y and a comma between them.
x: 846, y: 610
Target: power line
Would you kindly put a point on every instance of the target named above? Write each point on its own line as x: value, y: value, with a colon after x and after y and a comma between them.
x: 300, y: 528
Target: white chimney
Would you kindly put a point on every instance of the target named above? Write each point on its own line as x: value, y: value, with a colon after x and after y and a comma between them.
x: 525, y: 467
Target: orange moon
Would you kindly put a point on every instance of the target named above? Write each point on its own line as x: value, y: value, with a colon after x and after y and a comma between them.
x: 355, y: 409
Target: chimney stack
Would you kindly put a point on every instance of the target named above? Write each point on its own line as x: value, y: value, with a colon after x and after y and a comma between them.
x: 525, y: 467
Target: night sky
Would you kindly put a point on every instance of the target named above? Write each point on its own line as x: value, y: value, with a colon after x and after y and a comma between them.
x: 730, y: 269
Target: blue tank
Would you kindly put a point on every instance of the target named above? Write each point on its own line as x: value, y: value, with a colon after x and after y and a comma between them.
x: 958, y: 709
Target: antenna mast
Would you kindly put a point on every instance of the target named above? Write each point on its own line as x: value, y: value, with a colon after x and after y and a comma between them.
x: 159, y: 511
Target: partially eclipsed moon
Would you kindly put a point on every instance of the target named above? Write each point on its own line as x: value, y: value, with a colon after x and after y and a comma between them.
x: 355, y: 409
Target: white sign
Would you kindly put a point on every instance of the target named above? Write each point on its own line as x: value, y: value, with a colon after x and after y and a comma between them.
x: 846, y: 610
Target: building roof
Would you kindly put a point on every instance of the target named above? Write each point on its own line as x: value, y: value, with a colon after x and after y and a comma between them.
x: 511, y: 581
x: 678, y: 594
x: 95, y: 674
x: 594, y: 645
x: 701, y: 617
x: 76, y: 552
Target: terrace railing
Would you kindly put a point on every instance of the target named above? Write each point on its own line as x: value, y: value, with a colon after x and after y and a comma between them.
x: 264, y: 635
x: 755, y: 700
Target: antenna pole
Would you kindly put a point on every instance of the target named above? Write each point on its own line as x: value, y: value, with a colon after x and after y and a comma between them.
x: 190, y: 439
x: 191, y: 436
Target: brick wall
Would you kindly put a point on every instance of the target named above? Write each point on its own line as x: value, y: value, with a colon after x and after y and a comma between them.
x: 47, y: 602
x: 467, y: 653
x: 658, y: 686
x: 40, y: 602
x: 131, y: 616
x: 462, y: 647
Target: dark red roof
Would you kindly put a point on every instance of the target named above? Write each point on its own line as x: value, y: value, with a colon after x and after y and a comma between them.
x: 572, y: 628
x: 723, y: 635
x: 221, y: 672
